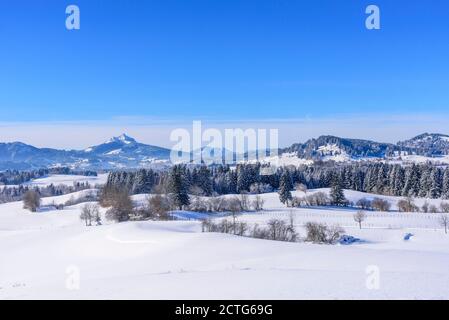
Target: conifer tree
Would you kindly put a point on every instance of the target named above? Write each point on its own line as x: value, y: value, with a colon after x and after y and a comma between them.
x: 445, y: 188
x: 337, y: 194
x: 178, y: 187
x: 285, y: 188
x: 435, y: 183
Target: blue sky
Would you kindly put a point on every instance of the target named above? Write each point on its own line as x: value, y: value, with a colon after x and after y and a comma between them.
x: 137, y: 63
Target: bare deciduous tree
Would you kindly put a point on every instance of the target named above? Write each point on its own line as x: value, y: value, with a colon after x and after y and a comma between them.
x: 90, y: 212
x: 321, y: 233
x: 258, y: 203
x: 444, y: 207
x: 380, y: 204
x: 158, y: 207
x: 444, y: 221
x: 407, y: 205
x: 359, y: 217
x: 122, y: 207
x: 364, y: 204
x: 244, y: 201
x: 235, y: 207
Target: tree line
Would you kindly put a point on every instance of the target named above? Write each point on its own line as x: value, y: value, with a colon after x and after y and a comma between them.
x: 417, y: 180
x: 16, y: 177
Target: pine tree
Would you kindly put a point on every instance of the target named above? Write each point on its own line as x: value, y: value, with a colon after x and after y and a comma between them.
x: 435, y: 183
x: 445, y: 191
x: 381, y: 182
x: 285, y: 188
x: 178, y: 187
x: 243, y: 182
x: 425, y: 182
x: 412, y: 179
x: 399, y: 181
x: 337, y: 194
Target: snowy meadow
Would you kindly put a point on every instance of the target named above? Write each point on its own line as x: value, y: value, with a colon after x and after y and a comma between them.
x: 51, y: 254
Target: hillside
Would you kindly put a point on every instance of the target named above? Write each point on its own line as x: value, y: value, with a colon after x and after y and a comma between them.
x: 45, y: 254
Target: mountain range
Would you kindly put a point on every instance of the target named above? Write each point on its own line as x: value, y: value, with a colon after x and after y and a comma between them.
x: 118, y: 152
x: 125, y: 152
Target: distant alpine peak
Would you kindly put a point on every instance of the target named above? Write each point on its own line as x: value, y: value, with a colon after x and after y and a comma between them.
x: 122, y: 138
x: 429, y: 136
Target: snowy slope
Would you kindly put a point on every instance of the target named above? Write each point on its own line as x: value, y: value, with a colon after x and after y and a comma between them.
x: 42, y: 253
x: 68, y: 180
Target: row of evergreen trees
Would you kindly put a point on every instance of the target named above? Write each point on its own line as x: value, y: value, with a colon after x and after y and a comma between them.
x: 16, y: 193
x: 16, y: 177
x: 424, y: 180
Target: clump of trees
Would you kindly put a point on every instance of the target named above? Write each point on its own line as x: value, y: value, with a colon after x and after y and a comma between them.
x: 234, y: 204
x: 276, y: 229
x: 157, y: 207
x: 323, y: 234
x: 257, y: 203
x: 16, y: 193
x: 90, y: 196
x: 90, y: 213
x: 313, y: 199
x: 122, y: 207
x: 380, y: 205
x: 16, y: 177
x: 32, y: 200
x: 364, y: 204
x: 407, y: 205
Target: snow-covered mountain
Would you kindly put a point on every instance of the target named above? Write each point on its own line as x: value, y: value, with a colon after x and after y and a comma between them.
x: 125, y: 152
x: 341, y: 149
x: 428, y: 144
x: 117, y: 152
x: 20, y: 156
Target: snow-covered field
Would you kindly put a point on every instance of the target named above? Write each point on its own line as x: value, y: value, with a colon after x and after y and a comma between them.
x: 68, y: 180
x: 52, y: 255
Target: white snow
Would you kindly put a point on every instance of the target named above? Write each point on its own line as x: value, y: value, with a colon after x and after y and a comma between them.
x: 123, y: 138
x: 44, y: 254
x: 114, y: 152
x: 285, y: 159
x: 333, y: 152
x: 68, y: 180
x: 405, y: 159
